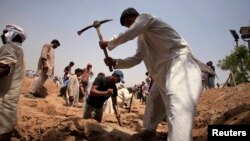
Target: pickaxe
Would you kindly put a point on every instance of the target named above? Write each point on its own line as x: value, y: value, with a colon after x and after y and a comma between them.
x: 131, y: 100
x: 97, y: 25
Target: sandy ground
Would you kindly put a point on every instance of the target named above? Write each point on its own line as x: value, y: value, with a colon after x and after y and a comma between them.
x: 48, y: 119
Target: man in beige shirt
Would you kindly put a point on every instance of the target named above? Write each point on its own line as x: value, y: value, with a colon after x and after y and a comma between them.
x: 12, y: 70
x: 45, y: 69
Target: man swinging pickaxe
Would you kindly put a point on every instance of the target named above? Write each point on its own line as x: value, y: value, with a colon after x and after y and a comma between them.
x: 97, y: 25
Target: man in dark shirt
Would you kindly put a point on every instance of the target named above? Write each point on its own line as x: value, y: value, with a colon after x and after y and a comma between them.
x: 102, y: 88
x: 67, y: 70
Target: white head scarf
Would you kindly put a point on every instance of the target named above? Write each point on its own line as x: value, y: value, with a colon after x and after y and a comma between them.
x: 11, y: 31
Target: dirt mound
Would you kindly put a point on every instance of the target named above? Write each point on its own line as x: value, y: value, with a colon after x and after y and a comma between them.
x: 49, y: 119
x: 222, y: 106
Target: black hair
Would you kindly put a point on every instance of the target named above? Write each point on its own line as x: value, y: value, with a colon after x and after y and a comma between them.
x: 100, y: 74
x: 71, y: 63
x: 3, y: 39
x: 78, y: 70
x: 55, y: 41
x: 209, y: 63
x: 129, y: 12
x: 130, y: 90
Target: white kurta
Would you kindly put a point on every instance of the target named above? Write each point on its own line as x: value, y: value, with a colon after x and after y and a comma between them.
x: 10, y: 86
x: 73, y: 90
x: 123, y: 97
x: 108, y: 106
x: 176, y: 74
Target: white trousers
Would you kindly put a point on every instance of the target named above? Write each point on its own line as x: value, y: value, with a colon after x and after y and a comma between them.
x: 9, y: 110
x: 108, y: 106
x: 177, y: 99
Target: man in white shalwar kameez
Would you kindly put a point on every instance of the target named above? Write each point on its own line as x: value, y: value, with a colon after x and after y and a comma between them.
x: 176, y: 73
x: 73, y: 88
x: 123, y: 97
x: 123, y: 100
x: 12, y: 70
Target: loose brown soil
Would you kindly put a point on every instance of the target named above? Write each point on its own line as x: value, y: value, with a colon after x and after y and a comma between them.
x: 48, y: 119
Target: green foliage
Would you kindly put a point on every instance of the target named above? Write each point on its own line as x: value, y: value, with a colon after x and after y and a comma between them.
x: 239, y: 64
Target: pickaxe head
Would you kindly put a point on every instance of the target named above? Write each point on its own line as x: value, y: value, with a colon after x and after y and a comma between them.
x: 96, y: 24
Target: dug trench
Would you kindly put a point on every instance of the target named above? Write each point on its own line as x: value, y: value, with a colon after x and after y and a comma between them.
x: 48, y: 119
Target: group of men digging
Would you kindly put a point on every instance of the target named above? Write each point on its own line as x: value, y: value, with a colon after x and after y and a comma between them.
x: 168, y: 59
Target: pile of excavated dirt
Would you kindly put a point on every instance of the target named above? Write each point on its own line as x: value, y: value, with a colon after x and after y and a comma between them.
x: 48, y: 119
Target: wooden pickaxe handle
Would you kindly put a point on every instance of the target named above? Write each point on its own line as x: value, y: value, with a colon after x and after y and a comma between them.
x: 119, y: 122
x: 131, y: 100
x: 104, y: 49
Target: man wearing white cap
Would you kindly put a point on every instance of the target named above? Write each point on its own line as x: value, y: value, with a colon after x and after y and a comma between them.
x: 12, y: 70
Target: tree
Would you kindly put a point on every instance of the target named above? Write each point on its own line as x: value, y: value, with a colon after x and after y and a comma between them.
x: 238, y: 62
